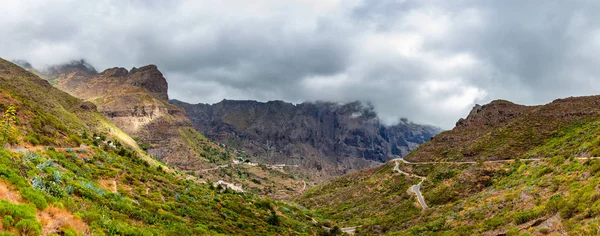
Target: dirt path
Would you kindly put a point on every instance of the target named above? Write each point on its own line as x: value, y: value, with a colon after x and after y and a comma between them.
x: 474, y: 162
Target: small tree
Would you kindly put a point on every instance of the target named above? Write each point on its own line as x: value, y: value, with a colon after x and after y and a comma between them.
x: 273, y: 218
x: 335, y: 231
x: 9, y: 118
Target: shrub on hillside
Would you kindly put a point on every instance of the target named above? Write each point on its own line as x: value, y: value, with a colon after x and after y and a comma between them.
x: 7, y: 221
x: 273, y: 219
x: 29, y: 227
x: 35, y: 197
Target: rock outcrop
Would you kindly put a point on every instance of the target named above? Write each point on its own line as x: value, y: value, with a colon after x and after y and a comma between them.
x: 137, y: 102
x: 328, y: 137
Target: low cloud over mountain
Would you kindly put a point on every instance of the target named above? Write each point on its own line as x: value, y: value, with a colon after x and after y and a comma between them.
x: 430, y: 61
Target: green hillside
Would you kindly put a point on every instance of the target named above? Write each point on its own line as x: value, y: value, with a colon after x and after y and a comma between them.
x: 551, y: 187
x: 68, y: 171
x: 503, y: 130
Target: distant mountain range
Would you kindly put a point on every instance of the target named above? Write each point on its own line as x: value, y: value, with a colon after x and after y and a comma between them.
x: 331, y: 138
x: 505, y: 169
x: 325, y: 138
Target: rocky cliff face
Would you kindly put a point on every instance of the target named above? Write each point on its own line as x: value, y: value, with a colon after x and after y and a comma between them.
x: 136, y: 101
x: 328, y: 137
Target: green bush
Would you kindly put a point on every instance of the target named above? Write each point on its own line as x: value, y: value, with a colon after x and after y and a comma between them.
x: 443, y: 195
x: 29, y: 227
x: 493, y: 223
x: 554, y: 204
x: 35, y: 197
x: 69, y: 232
x: 17, y: 212
x: 33, y: 138
x: 526, y: 216
x: 273, y: 219
x: 22, y: 215
x: 7, y: 221
x: 595, y: 167
x: 12, y: 177
x: 543, y: 171
x: 568, y: 209
x: 75, y: 139
x: 264, y: 204
x: 335, y: 231
x: 512, y: 232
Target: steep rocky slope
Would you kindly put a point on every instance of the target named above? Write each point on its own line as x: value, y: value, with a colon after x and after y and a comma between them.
x: 328, y: 137
x: 51, y: 184
x: 137, y: 102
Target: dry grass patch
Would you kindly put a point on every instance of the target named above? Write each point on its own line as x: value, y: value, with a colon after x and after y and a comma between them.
x: 55, y: 220
x: 108, y: 184
x: 8, y: 193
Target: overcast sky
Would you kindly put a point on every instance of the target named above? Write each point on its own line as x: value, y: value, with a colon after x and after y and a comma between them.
x: 427, y: 60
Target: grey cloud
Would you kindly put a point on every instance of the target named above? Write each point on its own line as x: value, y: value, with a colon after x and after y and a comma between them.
x: 428, y: 60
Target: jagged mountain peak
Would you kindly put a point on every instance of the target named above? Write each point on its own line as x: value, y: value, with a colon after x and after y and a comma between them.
x: 150, y: 78
x: 115, y: 72
x: 149, y: 67
x: 78, y: 77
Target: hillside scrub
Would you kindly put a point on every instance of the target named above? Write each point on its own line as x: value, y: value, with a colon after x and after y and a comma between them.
x: 57, y: 179
x: 465, y: 199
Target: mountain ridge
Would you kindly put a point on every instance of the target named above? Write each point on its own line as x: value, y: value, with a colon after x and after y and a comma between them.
x: 328, y: 137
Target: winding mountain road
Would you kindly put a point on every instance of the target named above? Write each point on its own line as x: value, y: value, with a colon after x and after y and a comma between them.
x: 417, y: 188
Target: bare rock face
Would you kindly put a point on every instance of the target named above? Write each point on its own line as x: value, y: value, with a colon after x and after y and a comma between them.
x: 150, y: 78
x: 328, y: 137
x: 137, y: 102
